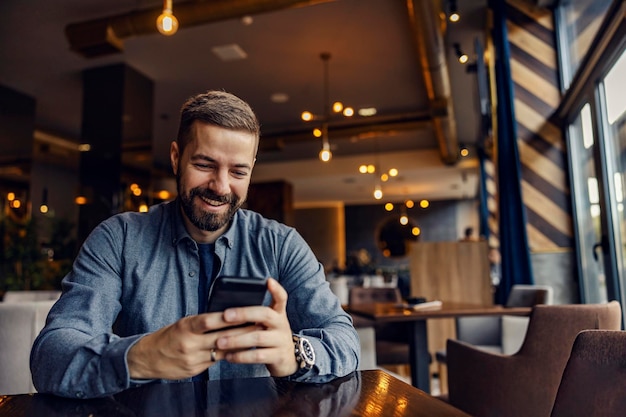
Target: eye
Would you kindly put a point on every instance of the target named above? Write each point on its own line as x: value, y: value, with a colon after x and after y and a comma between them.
x: 204, y: 166
x: 240, y: 173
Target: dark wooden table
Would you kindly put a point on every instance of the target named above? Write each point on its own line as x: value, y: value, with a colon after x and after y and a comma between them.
x: 419, y: 355
x: 363, y: 393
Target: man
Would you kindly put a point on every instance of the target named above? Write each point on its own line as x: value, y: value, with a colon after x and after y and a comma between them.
x: 133, y: 306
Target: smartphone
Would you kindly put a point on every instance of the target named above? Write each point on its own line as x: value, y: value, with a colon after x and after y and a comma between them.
x: 227, y: 292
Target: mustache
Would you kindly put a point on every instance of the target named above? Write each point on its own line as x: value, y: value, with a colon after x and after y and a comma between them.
x: 210, y: 195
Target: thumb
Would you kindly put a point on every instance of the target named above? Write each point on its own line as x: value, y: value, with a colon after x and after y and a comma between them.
x: 279, y: 295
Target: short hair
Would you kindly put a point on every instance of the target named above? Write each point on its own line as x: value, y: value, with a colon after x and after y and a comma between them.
x: 218, y: 108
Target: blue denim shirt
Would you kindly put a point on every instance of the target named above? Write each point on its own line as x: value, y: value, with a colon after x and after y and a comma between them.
x: 138, y: 272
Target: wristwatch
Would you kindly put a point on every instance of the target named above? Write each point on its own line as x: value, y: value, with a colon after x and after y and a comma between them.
x: 305, y: 355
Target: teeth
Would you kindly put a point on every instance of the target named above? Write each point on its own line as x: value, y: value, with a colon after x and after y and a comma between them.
x: 212, y: 202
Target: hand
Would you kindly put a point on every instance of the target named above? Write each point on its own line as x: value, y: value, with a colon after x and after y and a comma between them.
x: 271, y: 338
x: 182, y: 349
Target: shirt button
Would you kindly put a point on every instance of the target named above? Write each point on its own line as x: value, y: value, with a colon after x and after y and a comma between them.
x: 192, y: 273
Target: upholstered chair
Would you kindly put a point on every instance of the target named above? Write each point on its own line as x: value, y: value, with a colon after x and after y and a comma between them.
x: 20, y: 323
x: 498, y: 334
x: 594, y: 380
x: 486, y: 384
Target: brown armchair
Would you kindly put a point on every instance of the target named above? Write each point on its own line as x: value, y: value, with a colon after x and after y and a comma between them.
x: 523, y: 384
x: 594, y: 380
x: 487, y: 332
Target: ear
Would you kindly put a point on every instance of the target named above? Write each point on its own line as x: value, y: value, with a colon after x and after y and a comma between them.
x: 174, y: 156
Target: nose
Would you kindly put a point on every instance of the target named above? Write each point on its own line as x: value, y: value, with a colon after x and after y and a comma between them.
x: 219, y: 183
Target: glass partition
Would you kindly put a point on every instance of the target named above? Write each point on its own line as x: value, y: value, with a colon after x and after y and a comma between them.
x: 579, y: 21
x: 587, y: 206
x: 613, y: 116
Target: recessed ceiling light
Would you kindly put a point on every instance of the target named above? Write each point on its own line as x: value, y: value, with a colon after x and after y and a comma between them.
x: 367, y: 111
x: 230, y: 52
x: 279, y: 98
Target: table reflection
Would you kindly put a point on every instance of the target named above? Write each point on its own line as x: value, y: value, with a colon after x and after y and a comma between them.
x: 363, y: 393
x: 238, y: 397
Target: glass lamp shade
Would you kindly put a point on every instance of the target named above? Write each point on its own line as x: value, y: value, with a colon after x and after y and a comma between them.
x: 166, y: 23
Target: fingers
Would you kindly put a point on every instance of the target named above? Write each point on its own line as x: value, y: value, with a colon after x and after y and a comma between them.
x: 270, y: 342
x: 210, y: 322
x: 279, y: 295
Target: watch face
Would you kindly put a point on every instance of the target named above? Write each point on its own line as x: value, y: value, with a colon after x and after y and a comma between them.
x: 305, y: 355
x: 307, y: 351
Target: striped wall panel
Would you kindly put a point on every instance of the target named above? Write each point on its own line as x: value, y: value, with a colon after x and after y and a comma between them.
x: 543, y: 156
x: 492, y: 203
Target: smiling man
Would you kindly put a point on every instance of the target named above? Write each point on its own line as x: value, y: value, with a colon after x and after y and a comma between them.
x: 133, y: 308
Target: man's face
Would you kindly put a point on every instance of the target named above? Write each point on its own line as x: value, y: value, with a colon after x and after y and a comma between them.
x: 213, y: 176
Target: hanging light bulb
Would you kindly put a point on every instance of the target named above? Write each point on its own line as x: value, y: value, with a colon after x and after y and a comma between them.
x: 378, y: 192
x: 325, y: 154
x: 167, y: 23
x: 44, y: 201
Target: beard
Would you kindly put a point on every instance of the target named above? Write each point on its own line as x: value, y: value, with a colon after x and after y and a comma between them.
x: 204, y: 220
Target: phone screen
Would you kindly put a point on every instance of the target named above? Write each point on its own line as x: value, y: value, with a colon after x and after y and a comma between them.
x: 227, y: 292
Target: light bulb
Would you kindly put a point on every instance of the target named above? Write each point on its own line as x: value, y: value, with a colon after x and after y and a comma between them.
x: 378, y: 193
x: 167, y: 23
x: 325, y: 155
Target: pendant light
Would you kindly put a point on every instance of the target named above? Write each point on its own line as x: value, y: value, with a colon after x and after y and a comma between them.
x: 167, y: 23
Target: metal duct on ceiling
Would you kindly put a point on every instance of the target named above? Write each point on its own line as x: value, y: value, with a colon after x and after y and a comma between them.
x: 426, y: 25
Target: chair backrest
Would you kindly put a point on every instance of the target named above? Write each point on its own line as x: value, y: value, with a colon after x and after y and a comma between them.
x: 487, y: 331
x: 529, y: 295
x: 363, y: 295
x: 20, y: 323
x: 20, y: 296
x: 594, y: 380
x: 525, y: 383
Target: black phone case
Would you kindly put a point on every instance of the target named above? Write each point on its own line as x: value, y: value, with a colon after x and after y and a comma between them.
x: 228, y: 292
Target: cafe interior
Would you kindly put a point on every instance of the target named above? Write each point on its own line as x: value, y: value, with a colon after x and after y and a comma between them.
x: 456, y: 166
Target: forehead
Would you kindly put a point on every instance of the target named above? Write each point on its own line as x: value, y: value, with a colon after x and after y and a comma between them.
x: 214, y: 140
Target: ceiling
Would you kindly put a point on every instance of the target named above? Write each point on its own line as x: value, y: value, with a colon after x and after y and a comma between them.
x: 394, y: 55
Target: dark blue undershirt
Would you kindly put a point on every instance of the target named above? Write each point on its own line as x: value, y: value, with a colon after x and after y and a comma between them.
x: 206, y: 252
